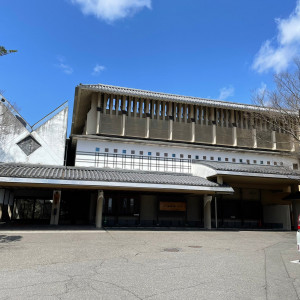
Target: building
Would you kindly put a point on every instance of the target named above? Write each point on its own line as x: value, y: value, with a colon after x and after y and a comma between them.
x: 141, y: 158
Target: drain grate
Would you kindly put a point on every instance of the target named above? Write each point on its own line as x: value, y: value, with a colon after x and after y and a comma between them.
x: 195, y: 247
x: 171, y: 250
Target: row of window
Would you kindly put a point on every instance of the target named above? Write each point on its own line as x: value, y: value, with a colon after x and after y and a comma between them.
x: 197, y: 157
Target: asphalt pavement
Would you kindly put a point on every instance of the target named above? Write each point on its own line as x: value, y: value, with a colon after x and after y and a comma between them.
x: 124, y: 264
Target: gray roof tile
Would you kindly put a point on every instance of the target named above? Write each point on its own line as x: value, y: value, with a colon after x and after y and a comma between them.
x: 92, y: 174
x: 253, y: 168
x: 167, y: 97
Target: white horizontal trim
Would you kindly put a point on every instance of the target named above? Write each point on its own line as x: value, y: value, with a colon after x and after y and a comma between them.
x: 102, y: 184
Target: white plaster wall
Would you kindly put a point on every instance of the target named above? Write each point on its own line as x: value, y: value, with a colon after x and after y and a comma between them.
x: 86, y: 145
x: 278, y: 214
x: 51, y: 136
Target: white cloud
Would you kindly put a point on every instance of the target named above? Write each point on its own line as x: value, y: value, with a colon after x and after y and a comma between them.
x: 98, y: 69
x: 277, y: 53
x: 111, y: 10
x: 226, y: 92
x: 63, y: 66
x: 262, y: 89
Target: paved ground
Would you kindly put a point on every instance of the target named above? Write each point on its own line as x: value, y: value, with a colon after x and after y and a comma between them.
x: 148, y: 265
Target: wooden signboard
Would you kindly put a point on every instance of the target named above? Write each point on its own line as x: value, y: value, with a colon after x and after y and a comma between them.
x: 172, y: 206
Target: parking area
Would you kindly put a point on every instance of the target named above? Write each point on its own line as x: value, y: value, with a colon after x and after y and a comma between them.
x: 120, y: 264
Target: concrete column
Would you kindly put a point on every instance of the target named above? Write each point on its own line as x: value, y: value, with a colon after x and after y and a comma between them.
x: 123, y: 115
x: 234, y: 136
x: 91, y: 121
x: 99, y: 209
x: 111, y: 102
x: 254, y: 138
x: 214, y: 127
x: 214, y: 134
x: 273, y: 140
x: 147, y: 133
x: 55, y: 207
x: 207, y: 211
x: 192, y: 119
x: 193, y: 132
x: 147, y: 112
x: 98, y: 112
x: 171, y: 115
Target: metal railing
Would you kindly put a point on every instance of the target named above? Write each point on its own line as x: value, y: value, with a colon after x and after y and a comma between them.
x: 133, y: 162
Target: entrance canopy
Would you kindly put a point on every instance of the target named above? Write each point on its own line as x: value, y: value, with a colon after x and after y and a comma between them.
x: 96, y: 178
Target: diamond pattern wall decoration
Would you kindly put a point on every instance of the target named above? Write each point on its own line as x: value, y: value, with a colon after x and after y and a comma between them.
x: 29, y: 145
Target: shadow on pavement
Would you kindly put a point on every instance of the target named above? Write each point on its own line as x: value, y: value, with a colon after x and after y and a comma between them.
x: 9, y: 238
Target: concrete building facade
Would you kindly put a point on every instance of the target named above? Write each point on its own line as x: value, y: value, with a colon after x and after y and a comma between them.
x: 141, y: 158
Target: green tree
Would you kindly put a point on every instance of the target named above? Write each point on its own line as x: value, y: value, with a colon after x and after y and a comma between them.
x: 4, y: 51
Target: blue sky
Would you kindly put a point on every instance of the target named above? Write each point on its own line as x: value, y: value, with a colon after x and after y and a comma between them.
x: 221, y: 49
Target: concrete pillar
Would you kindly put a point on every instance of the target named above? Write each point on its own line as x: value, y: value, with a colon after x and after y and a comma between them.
x: 91, y: 121
x: 193, y: 119
x: 254, y: 138
x: 98, y: 112
x: 273, y: 140
x: 55, y: 207
x: 99, y: 209
x: 123, y: 115
x: 193, y: 132
x: 214, y: 134
x: 171, y: 118
x: 147, y: 133
x: 214, y: 126
x: 207, y: 211
x: 234, y: 136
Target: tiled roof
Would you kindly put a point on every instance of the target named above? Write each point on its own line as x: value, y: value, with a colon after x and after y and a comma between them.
x: 94, y: 174
x: 253, y: 168
x: 167, y: 97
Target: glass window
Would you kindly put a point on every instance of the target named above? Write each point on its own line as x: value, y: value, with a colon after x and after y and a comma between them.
x: 189, y: 156
x: 115, y: 150
x: 261, y: 162
x: 97, y: 149
x: 181, y: 155
x: 211, y: 158
x: 149, y: 153
x: 275, y: 163
x: 219, y: 158
x: 166, y: 154
x: 254, y: 161
x: 226, y: 158
x: 106, y: 149
x: 124, y: 151
x: 233, y: 160
x: 295, y: 166
x: 173, y: 155
x: 132, y: 151
x: 268, y: 162
x: 241, y: 160
x: 197, y: 157
x: 157, y: 154
x: 204, y: 157
x: 141, y: 152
